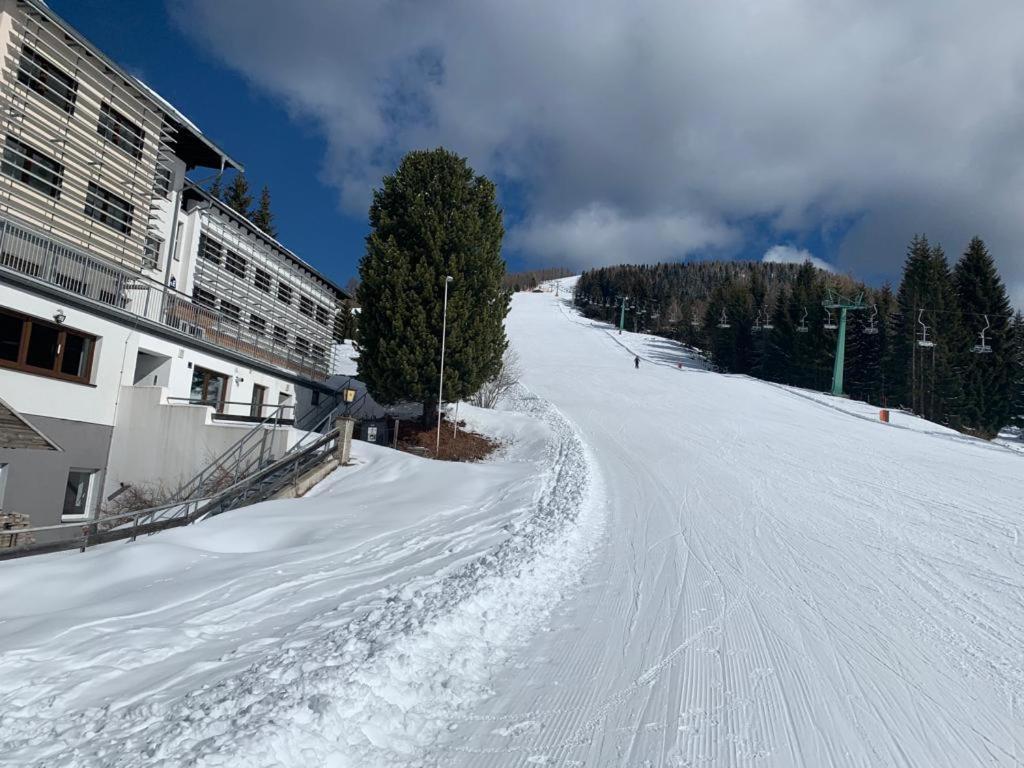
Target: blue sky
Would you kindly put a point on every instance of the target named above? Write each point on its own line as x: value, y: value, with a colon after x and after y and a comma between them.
x: 616, y: 131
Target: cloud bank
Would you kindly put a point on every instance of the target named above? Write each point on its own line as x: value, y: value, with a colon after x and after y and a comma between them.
x: 642, y: 131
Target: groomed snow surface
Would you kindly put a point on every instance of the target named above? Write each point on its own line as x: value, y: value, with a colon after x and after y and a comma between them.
x: 665, y: 567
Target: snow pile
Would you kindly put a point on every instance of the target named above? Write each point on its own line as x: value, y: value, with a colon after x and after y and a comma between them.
x: 404, y: 584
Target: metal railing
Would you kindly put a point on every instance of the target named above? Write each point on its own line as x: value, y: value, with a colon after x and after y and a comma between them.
x: 41, y: 256
x: 251, y: 489
x: 236, y: 408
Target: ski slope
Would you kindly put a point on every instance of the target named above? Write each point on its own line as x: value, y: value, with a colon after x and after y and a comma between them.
x: 664, y: 567
x: 785, y: 581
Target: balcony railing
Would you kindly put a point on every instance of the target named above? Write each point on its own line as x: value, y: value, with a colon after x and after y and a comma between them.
x: 48, y: 260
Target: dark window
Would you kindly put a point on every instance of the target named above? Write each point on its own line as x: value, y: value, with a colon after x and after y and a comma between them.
x: 306, y: 306
x: 151, y: 253
x: 301, y: 346
x: 284, y: 293
x: 45, y: 78
x: 11, y: 327
x: 162, y: 182
x: 29, y: 166
x: 322, y: 316
x: 204, y: 298
x: 257, y: 325
x: 78, y: 493
x: 231, y: 312
x: 37, y: 346
x: 107, y: 208
x: 234, y: 263
x: 280, y: 335
x: 120, y: 131
x: 317, y: 353
x: 261, y: 280
x: 210, y: 249
x: 315, y: 397
x: 208, y: 388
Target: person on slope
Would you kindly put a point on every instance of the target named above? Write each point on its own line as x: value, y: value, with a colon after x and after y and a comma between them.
x: 636, y: 362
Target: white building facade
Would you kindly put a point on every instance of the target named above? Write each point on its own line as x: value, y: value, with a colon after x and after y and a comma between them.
x: 144, y: 327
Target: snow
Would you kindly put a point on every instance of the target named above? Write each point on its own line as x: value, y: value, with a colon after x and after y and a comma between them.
x: 663, y: 567
x: 344, y: 359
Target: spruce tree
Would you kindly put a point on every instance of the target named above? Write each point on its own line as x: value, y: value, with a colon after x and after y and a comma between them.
x: 433, y: 217
x: 262, y: 216
x: 988, y: 377
x: 217, y: 187
x: 237, y: 195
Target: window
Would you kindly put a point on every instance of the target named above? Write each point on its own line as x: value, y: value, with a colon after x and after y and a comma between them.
x: 257, y: 325
x: 306, y: 306
x: 317, y: 353
x: 107, y: 208
x: 210, y: 249
x: 208, y: 388
x: 280, y: 335
x: 301, y: 346
x: 261, y: 280
x: 284, y: 293
x: 120, y: 131
x: 45, y: 78
x: 203, y: 297
x: 231, y: 312
x: 162, y: 182
x: 259, y: 396
x: 78, y: 494
x: 151, y: 253
x: 314, y: 399
x: 234, y: 263
x: 37, y: 346
x: 322, y: 316
x: 31, y: 167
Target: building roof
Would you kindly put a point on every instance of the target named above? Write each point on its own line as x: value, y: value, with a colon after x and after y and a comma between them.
x: 194, y: 192
x: 192, y: 145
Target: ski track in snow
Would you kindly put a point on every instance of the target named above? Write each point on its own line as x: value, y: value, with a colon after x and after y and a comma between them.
x: 378, y: 690
x: 785, y: 583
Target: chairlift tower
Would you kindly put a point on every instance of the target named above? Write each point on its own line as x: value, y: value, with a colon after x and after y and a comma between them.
x: 833, y: 300
x: 622, y: 313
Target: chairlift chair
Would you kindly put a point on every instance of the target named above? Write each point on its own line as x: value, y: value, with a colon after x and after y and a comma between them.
x: 695, y: 322
x: 872, y: 328
x: 723, y: 321
x: 983, y: 348
x: 830, y: 323
x: 767, y: 325
x: 923, y: 341
x: 757, y: 322
x: 802, y: 328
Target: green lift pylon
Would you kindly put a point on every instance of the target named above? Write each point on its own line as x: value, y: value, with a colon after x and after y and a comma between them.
x: 833, y: 300
x: 622, y: 314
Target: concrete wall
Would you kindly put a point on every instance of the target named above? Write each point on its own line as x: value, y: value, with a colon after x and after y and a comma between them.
x: 36, y: 479
x: 157, y: 442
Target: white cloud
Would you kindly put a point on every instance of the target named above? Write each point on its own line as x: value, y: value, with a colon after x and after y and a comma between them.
x: 787, y: 254
x: 905, y: 117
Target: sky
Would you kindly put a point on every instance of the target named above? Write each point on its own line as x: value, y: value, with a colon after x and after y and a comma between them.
x: 616, y: 131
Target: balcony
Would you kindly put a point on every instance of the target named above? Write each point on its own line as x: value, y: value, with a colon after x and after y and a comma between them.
x: 114, y: 289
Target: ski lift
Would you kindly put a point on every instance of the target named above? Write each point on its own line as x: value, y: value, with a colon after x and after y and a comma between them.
x: 723, y: 321
x: 830, y: 323
x: 757, y: 322
x: 768, y: 325
x: 924, y: 341
x: 872, y: 329
x: 983, y: 348
x: 802, y: 328
x: 695, y: 322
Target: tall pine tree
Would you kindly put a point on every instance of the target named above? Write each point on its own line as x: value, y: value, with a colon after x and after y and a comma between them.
x: 237, y: 195
x: 433, y: 217
x: 262, y: 216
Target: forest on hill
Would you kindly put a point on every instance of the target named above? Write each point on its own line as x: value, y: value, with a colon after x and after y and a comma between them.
x: 945, y: 345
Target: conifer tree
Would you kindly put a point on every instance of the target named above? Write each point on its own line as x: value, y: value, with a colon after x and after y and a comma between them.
x: 217, y: 187
x: 1017, y: 391
x: 988, y: 377
x: 237, y: 195
x: 433, y: 217
x: 262, y: 216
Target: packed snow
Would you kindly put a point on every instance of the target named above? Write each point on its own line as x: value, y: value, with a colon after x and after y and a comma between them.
x: 663, y: 567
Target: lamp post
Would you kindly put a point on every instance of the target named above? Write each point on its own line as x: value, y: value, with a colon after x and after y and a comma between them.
x: 440, y: 386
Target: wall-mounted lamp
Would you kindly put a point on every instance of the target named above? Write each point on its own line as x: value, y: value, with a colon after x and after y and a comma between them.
x: 59, y: 317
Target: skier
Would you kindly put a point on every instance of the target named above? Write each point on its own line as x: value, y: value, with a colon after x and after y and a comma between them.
x: 636, y: 362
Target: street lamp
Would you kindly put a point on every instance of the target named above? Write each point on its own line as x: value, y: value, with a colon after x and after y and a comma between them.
x: 348, y: 394
x: 440, y: 386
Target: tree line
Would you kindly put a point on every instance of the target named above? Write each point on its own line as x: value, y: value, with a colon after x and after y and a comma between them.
x: 945, y: 345
x: 531, y: 278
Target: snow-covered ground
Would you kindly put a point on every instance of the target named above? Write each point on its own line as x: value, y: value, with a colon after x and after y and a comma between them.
x: 667, y: 567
